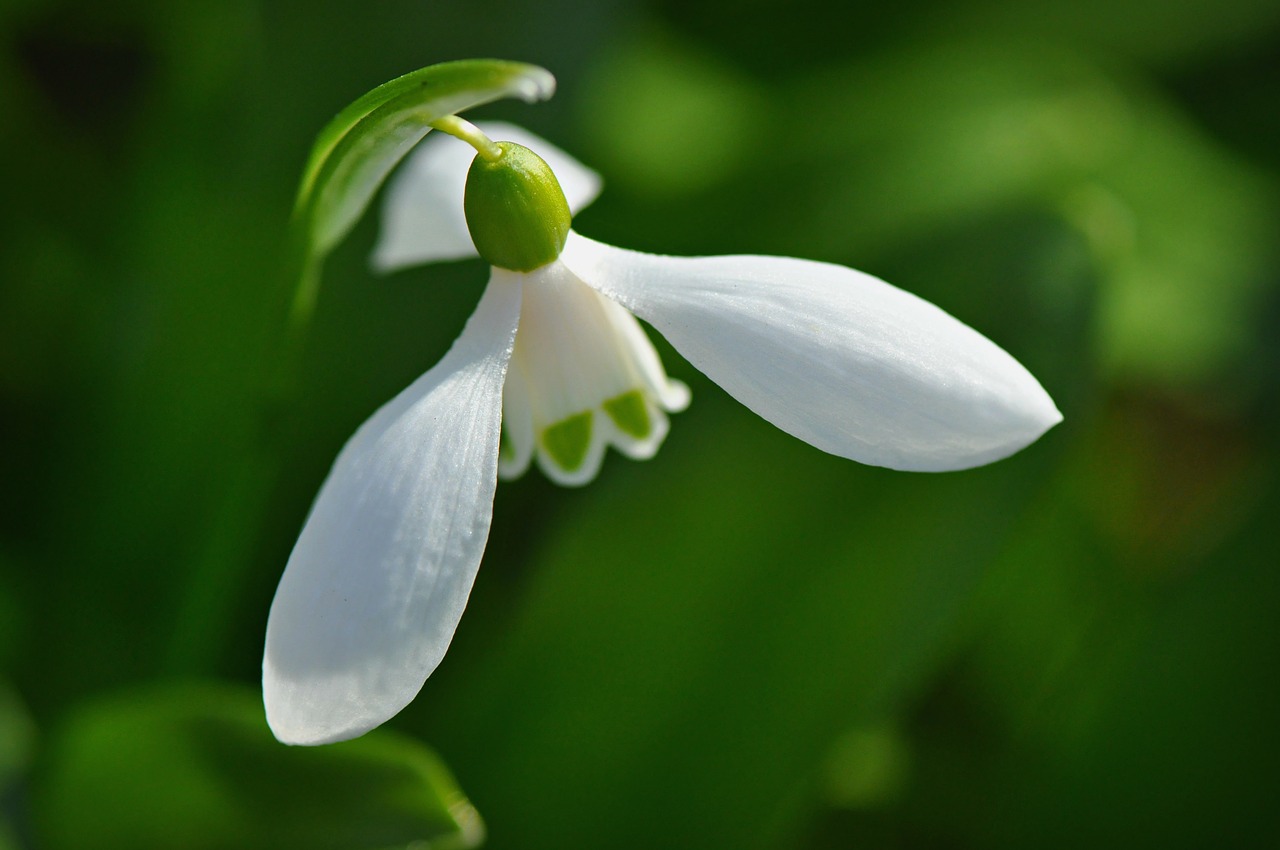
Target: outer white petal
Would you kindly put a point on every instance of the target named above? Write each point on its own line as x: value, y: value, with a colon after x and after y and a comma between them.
x: 422, y: 216
x: 838, y: 358
x: 378, y: 578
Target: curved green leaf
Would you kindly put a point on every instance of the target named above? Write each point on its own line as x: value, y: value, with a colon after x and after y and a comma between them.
x: 357, y: 149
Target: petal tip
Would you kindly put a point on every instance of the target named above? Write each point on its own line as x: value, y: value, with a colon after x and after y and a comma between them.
x: 385, y: 259
x: 310, y: 736
x: 1040, y: 410
x: 539, y: 84
x: 675, y: 396
x: 312, y: 714
x: 293, y: 724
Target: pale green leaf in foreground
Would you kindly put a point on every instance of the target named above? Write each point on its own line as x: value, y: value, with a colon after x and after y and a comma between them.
x: 196, y: 767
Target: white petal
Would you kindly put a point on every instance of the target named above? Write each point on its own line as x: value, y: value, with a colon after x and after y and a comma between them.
x: 422, y: 216
x: 517, y: 427
x: 671, y: 394
x: 838, y: 358
x: 378, y: 578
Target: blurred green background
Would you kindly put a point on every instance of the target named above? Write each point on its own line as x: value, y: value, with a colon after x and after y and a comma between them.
x: 744, y: 643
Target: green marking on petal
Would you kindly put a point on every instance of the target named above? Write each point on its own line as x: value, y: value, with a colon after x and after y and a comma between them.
x: 567, y: 441
x: 629, y: 412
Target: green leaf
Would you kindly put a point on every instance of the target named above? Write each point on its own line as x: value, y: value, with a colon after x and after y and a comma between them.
x: 360, y: 146
x: 195, y: 766
x: 17, y: 735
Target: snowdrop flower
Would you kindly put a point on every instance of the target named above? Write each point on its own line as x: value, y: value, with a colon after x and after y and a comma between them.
x: 553, y: 368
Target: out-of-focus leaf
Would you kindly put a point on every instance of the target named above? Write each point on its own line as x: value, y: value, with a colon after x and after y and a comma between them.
x: 1145, y: 700
x: 17, y: 735
x: 805, y: 32
x: 921, y: 139
x: 357, y: 149
x: 667, y: 120
x: 1157, y: 31
x: 868, y: 767
x: 1180, y: 230
x: 17, y: 742
x: 196, y: 767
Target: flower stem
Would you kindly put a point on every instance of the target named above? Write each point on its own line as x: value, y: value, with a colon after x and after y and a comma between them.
x: 471, y: 134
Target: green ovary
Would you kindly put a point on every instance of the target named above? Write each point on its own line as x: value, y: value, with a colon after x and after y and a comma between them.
x: 567, y: 441
x: 629, y: 412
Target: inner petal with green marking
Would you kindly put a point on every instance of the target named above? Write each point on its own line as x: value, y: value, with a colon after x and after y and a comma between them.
x: 583, y: 376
